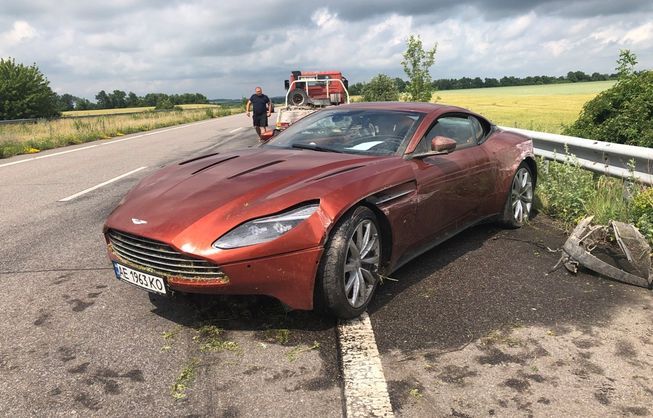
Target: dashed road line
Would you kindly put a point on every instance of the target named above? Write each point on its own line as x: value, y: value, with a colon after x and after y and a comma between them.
x: 366, y: 391
x: 233, y: 131
x: 97, y: 186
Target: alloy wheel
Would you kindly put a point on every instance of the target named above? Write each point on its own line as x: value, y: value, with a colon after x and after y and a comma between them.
x: 522, y: 195
x: 361, y: 263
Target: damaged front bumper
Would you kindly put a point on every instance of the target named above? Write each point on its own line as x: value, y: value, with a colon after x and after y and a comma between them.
x: 585, y: 239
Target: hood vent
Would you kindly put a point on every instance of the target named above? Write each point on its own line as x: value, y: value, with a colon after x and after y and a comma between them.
x: 198, y: 158
x: 335, y: 173
x: 214, y: 164
x: 256, y: 168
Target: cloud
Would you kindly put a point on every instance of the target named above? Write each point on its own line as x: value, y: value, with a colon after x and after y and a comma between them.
x: 20, y: 31
x: 224, y: 49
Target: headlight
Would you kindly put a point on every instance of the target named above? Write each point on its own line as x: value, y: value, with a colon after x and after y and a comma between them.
x: 264, y: 229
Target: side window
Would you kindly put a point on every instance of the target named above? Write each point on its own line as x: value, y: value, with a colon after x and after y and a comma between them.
x: 479, y: 132
x: 459, y: 128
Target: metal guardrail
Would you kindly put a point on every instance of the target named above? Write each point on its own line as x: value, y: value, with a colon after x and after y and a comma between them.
x: 17, y: 121
x: 616, y: 160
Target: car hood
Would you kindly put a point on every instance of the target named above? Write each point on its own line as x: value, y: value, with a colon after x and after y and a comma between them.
x: 221, y: 191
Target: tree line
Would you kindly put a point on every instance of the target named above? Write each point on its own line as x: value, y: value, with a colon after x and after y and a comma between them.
x: 508, y: 81
x: 119, y: 99
x: 25, y: 93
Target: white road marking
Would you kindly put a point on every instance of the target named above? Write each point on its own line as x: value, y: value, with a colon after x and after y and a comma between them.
x: 235, y: 130
x: 366, y: 391
x: 109, y: 142
x: 97, y: 186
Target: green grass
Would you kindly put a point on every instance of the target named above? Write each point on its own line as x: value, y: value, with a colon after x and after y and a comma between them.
x: 545, y: 108
x: 185, y: 379
x: 569, y: 193
x: 46, y: 134
x: 98, y: 112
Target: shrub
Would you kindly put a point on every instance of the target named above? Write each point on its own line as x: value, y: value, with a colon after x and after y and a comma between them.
x: 25, y: 92
x: 623, y: 113
x: 381, y: 88
x: 564, y: 189
x: 164, y: 104
x: 642, y: 212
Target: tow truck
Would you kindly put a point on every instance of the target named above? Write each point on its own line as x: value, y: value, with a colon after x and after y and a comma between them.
x: 309, y: 91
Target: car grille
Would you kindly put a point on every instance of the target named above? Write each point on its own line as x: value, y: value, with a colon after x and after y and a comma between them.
x: 160, y: 258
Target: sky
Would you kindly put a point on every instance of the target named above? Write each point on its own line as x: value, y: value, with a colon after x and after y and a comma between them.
x: 224, y: 49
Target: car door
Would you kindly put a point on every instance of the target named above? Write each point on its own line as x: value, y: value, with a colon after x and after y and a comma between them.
x: 452, y: 188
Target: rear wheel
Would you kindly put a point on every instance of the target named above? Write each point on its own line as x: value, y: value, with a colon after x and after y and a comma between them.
x: 348, y: 272
x: 519, y: 203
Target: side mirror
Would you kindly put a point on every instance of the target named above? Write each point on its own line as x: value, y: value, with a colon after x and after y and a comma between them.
x: 267, y: 135
x: 286, y: 84
x: 442, y: 145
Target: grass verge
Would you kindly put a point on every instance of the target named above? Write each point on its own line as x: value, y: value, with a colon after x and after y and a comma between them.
x: 43, y: 135
x: 568, y: 192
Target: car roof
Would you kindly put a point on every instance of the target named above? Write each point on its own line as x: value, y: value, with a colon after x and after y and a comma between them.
x: 405, y: 106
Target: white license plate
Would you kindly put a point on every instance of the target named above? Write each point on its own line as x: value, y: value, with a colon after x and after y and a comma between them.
x: 140, y: 279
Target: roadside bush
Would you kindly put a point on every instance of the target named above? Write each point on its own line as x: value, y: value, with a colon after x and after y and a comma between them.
x: 381, y: 88
x: 25, y: 92
x: 164, y: 104
x: 621, y: 114
x: 642, y: 212
x: 568, y: 192
x: 565, y: 189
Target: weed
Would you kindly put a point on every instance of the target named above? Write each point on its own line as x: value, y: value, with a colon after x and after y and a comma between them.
x: 281, y: 336
x: 169, y: 336
x: 497, y: 337
x: 564, y: 189
x: 21, y: 138
x: 415, y: 393
x: 569, y: 193
x: 185, y: 379
x: 295, y: 352
x: 209, y: 339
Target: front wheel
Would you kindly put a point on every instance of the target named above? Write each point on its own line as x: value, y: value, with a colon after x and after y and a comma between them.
x: 519, y: 203
x: 348, y: 272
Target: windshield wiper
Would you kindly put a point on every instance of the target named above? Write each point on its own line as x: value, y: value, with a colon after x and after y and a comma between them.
x: 315, y: 147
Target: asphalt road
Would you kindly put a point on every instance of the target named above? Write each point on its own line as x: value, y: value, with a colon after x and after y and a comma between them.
x: 475, y: 327
x: 75, y: 341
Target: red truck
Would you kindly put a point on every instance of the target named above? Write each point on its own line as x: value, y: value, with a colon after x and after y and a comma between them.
x: 308, y: 91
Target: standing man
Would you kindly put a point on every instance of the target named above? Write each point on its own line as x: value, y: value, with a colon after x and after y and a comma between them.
x: 262, y: 109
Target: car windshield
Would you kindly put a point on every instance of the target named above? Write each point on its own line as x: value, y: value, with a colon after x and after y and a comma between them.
x: 352, y: 131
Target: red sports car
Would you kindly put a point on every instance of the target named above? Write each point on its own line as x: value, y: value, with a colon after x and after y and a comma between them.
x: 316, y: 216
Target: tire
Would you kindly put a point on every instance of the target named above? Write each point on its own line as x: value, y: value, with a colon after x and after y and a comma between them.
x: 348, y: 271
x: 519, y: 202
x: 298, y: 97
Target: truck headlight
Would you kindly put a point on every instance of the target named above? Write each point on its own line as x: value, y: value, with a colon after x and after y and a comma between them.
x: 265, y: 229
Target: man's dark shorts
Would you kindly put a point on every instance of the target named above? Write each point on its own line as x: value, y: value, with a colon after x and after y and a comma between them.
x: 260, y: 120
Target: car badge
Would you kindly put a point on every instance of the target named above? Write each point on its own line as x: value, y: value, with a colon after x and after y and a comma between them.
x: 136, y: 221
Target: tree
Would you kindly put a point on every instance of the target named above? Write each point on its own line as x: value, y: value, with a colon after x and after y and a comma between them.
x: 84, y: 104
x: 356, y: 89
x: 132, y: 100
x: 25, y: 92
x: 165, y: 104
x: 626, y: 63
x: 103, y: 100
x: 401, y: 84
x: 381, y: 88
x: 622, y: 113
x: 118, y: 99
x: 416, y: 65
x: 66, y: 102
